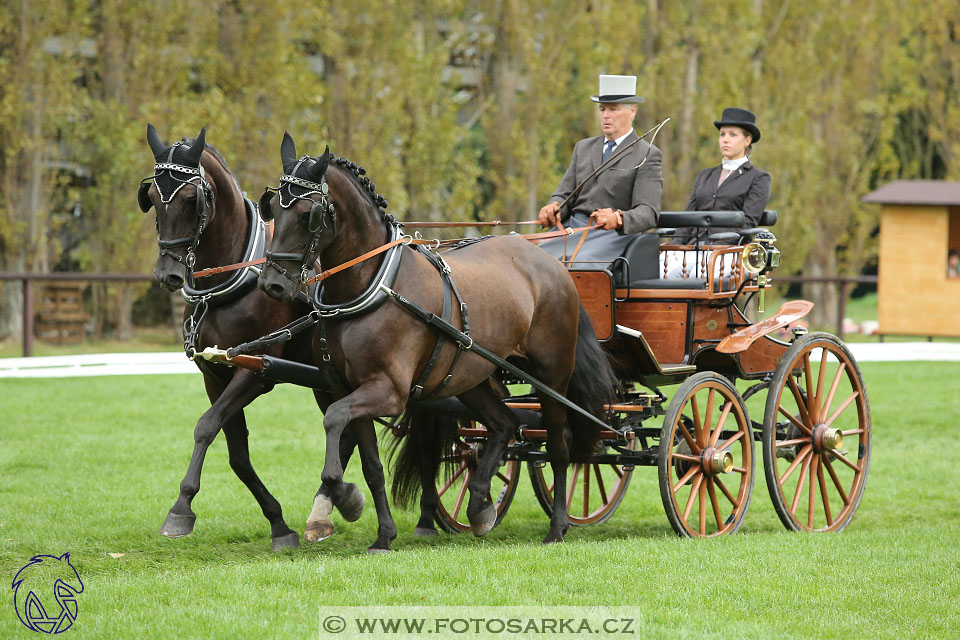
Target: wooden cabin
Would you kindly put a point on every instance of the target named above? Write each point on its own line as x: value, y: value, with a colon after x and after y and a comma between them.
x: 919, y: 226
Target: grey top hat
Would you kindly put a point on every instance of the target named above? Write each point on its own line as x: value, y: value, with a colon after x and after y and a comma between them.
x: 617, y: 89
x: 732, y: 116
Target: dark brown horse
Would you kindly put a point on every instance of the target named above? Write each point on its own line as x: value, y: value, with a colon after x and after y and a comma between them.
x: 203, y: 220
x: 520, y: 301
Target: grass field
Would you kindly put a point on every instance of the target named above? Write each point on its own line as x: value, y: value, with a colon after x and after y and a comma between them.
x: 91, y: 466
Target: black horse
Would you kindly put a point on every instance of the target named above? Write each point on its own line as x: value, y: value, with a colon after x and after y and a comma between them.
x: 522, y: 305
x: 203, y: 220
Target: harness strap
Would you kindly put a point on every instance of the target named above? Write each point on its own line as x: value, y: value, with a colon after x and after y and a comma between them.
x: 417, y: 390
x: 494, y: 223
x: 466, y: 342
x: 580, y: 244
x: 212, y: 271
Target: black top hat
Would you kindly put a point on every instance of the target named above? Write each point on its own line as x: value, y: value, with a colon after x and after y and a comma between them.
x: 732, y: 116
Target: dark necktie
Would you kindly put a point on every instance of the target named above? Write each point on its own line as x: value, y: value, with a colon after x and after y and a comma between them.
x: 607, y: 150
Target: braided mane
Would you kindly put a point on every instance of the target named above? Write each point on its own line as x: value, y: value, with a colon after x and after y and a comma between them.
x: 365, y: 183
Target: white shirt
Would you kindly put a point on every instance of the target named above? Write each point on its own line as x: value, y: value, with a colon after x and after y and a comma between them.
x: 733, y: 165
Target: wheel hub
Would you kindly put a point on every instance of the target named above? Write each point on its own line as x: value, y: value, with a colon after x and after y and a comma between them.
x: 826, y: 438
x: 715, y: 461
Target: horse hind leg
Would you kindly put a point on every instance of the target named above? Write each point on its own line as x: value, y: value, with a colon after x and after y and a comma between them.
x: 373, y: 474
x: 558, y: 435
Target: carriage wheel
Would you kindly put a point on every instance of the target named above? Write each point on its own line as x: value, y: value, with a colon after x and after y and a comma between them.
x: 452, y: 489
x: 817, y: 456
x: 705, y: 458
x: 594, y: 490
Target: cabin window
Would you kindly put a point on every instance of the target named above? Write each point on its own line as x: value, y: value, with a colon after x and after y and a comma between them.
x: 953, y: 243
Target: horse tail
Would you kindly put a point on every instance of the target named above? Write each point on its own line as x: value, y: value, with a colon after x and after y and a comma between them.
x: 416, y: 456
x: 592, y: 385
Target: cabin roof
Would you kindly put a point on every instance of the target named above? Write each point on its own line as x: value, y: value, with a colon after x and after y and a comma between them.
x: 922, y: 192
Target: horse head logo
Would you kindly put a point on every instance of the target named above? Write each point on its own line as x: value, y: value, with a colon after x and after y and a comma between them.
x: 34, y: 580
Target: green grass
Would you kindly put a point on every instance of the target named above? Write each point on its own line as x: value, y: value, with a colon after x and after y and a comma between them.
x: 91, y: 466
x: 144, y: 339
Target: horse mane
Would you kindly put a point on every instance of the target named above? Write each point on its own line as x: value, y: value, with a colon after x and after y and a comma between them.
x: 366, y: 186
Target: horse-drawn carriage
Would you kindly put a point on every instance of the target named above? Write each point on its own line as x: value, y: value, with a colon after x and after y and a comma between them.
x: 690, y: 334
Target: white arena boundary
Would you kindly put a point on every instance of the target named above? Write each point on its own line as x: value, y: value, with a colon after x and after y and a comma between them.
x: 112, y: 364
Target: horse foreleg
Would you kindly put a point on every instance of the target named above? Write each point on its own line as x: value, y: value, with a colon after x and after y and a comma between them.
x: 372, y: 398
x: 243, y: 388
x: 235, y: 431
x: 319, y: 525
x: 373, y: 474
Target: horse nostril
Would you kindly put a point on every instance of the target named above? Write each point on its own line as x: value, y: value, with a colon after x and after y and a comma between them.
x: 274, y: 290
x: 174, y: 281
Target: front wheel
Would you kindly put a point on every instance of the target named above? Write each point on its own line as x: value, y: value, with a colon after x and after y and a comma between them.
x: 817, y: 435
x: 705, y: 458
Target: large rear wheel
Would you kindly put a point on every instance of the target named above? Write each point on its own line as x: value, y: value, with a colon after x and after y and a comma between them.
x: 705, y: 458
x: 817, y: 435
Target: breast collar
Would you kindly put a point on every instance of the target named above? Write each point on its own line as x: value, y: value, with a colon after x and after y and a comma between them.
x: 374, y: 296
x: 240, y: 280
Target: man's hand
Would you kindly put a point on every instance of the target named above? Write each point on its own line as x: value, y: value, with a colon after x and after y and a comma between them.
x: 548, y: 214
x: 608, y: 219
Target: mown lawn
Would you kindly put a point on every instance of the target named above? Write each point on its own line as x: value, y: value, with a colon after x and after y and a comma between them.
x: 91, y: 466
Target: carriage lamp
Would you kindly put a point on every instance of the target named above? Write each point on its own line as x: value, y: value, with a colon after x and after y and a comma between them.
x: 754, y: 257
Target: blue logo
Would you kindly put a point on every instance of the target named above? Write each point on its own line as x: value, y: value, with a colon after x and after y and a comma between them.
x: 31, y: 588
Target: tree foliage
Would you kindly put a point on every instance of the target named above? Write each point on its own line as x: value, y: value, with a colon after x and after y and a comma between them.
x: 462, y: 109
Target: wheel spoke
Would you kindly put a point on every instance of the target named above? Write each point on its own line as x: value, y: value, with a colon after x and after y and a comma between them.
x: 803, y: 478
x: 842, y: 458
x: 602, y: 489
x: 704, y: 433
x: 720, y: 422
x: 573, y: 482
x: 694, y: 446
x: 815, y: 401
x: 790, y: 443
x: 729, y: 441
x: 823, y: 493
x: 726, y: 492
x: 694, y: 490
x: 740, y: 469
x: 808, y: 380
x: 796, y: 461
x: 833, y: 389
x: 586, y: 490
x: 850, y: 432
x: 463, y: 492
x: 716, y: 505
x: 794, y: 420
x: 683, y: 456
x: 505, y: 479
x: 697, y: 421
x: 836, y: 481
x: 685, y: 479
x: 801, y: 405
x: 453, y: 478
x: 703, y: 510
x: 840, y: 409
x: 813, y: 486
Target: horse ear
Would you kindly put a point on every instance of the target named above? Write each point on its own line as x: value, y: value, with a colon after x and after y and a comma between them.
x: 143, y: 197
x: 320, y: 166
x: 193, y: 155
x: 288, y: 151
x: 266, y: 212
x: 154, y: 141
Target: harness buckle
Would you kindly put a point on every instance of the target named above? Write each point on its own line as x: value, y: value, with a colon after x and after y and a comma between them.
x: 191, y: 258
x: 466, y: 347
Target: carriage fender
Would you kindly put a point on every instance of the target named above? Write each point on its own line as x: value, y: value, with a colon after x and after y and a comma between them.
x: 741, y: 340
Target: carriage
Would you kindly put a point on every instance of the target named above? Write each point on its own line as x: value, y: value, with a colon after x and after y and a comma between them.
x: 691, y: 334
x: 674, y: 349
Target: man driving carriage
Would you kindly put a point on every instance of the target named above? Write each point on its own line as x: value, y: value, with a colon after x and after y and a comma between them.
x: 624, y: 197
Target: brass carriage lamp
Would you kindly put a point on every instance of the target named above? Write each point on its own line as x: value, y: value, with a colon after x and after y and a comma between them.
x: 759, y: 257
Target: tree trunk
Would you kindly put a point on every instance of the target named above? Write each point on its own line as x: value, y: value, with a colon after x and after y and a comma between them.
x: 822, y: 263
x: 124, y: 313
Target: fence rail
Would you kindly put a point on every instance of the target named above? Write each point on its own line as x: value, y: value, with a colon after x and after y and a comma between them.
x: 27, y: 280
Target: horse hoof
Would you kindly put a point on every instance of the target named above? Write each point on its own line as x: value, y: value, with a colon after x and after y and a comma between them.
x: 289, y: 541
x: 317, y: 531
x: 483, y: 523
x: 375, y: 551
x: 177, y: 526
x: 424, y: 532
x: 552, y: 539
x: 352, y: 507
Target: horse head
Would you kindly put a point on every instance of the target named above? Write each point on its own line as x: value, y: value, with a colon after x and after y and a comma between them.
x: 183, y: 198
x: 305, y: 221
